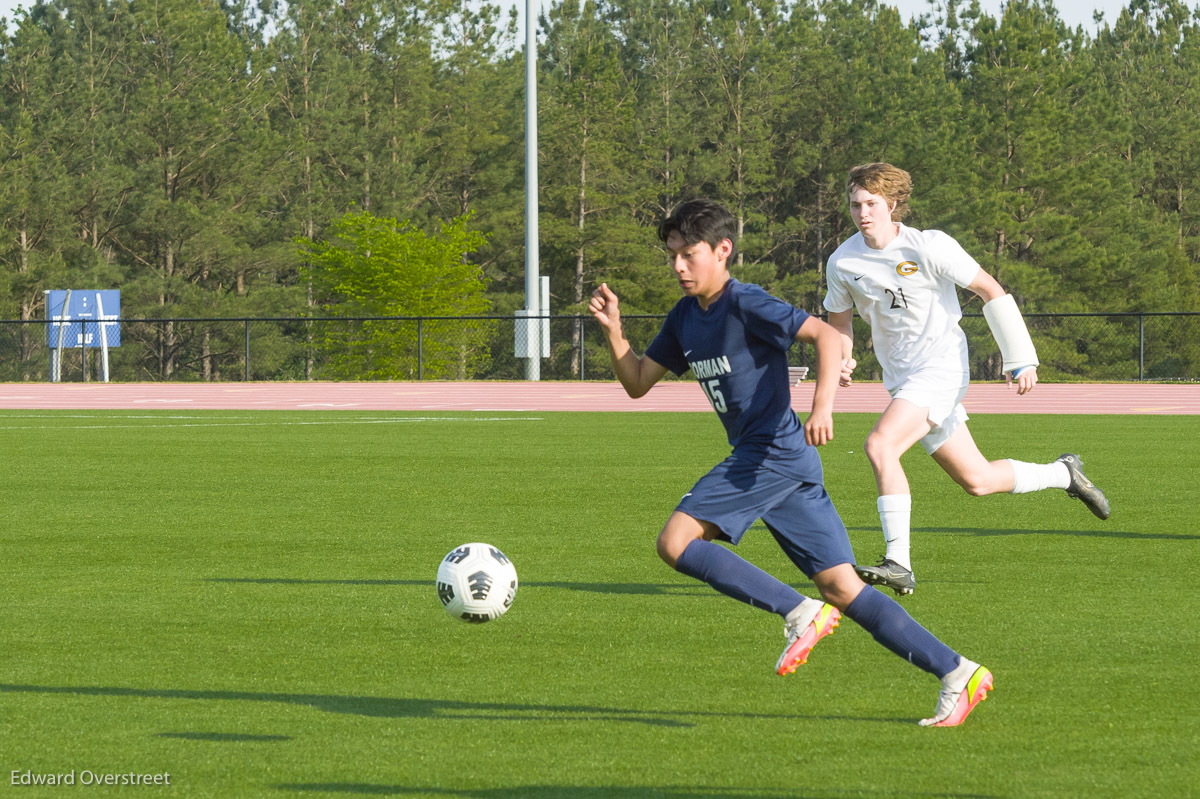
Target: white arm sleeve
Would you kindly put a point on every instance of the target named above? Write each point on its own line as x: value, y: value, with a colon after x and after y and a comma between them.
x: 1008, y: 328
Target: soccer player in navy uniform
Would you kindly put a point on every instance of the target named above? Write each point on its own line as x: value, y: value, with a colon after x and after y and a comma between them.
x: 734, y: 338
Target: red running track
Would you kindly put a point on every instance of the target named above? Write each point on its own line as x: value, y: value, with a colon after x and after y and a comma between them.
x: 1115, y: 398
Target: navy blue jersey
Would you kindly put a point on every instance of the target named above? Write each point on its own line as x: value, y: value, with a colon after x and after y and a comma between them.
x: 737, y: 351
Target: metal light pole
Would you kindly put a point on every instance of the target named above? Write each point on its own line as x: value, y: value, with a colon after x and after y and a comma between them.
x: 533, y: 364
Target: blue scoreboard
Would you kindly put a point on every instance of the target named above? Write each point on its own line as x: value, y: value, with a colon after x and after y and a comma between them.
x: 83, y: 319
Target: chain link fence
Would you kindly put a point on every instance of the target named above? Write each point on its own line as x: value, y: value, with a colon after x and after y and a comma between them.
x: 1072, y: 347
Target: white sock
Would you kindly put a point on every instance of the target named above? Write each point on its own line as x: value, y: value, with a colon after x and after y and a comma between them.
x: 1029, y: 477
x: 895, y: 512
x: 957, y: 678
x: 809, y: 608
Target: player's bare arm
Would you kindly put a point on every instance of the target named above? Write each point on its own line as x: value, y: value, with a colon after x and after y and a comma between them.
x: 987, y: 288
x: 818, y: 429
x: 637, y: 374
x: 843, y: 323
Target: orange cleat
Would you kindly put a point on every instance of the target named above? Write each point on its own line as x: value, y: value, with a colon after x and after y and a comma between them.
x: 962, y: 690
x: 803, y: 634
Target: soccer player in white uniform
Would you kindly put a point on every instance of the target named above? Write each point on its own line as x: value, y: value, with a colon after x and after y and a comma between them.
x: 904, y: 283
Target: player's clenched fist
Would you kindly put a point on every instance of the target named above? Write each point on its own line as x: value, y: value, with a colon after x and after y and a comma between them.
x: 847, y: 370
x: 604, y: 306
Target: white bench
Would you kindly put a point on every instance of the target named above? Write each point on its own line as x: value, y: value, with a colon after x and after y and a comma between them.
x: 796, y: 374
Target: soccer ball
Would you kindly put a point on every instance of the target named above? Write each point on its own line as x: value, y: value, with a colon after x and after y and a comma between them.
x: 476, y: 583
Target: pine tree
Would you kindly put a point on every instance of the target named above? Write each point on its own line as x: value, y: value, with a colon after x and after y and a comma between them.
x: 587, y: 190
x: 191, y: 142
x: 35, y: 221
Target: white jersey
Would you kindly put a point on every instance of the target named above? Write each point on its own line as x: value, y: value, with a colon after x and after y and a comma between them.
x: 906, y: 291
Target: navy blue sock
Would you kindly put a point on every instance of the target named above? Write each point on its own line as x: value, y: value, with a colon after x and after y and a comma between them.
x: 735, y: 577
x: 890, y: 625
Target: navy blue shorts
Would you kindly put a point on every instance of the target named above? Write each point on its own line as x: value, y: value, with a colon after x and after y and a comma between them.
x: 800, y: 515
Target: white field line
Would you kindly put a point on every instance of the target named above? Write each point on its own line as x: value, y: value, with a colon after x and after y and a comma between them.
x: 401, y: 420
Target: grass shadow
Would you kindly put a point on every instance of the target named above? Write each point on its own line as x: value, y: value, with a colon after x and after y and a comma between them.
x: 600, y: 792
x: 671, y: 589
x: 420, y: 708
x: 224, y: 737
x: 991, y: 531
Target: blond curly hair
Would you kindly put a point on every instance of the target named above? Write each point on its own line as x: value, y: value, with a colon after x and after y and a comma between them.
x: 890, y: 182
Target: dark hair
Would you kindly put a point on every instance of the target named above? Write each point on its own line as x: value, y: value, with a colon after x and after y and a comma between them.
x: 701, y: 220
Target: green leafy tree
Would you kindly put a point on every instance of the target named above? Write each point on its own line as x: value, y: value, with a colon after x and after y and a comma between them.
x: 376, y: 266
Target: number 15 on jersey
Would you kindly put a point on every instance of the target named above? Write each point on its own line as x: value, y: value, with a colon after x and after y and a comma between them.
x: 712, y: 390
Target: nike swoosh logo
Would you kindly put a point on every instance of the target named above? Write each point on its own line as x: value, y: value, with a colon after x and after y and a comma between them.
x: 860, y: 277
x: 687, y: 353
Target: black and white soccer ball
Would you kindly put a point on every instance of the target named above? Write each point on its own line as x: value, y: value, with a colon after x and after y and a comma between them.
x: 476, y: 582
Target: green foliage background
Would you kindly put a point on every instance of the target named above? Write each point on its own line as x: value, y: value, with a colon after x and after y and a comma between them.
x: 372, y: 267
x: 176, y: 149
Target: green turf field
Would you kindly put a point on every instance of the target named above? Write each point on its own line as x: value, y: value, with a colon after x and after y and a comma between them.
x: 245, y: 601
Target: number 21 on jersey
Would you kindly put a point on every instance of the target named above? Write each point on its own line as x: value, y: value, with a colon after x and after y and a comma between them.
x: 898, y: 299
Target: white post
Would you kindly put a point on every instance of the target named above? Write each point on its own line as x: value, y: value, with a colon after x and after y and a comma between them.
x: 533, y: 365
x: 49, y: 331
x: 544, y: 322
x: 103, y: 339
x: 62, y: 320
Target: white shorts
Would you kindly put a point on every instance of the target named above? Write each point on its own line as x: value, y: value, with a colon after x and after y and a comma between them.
x: 944, y: 402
